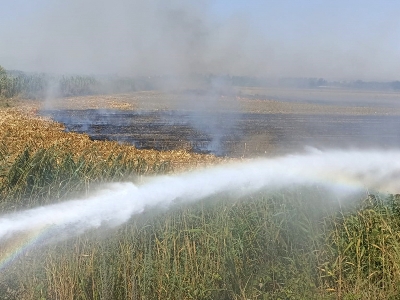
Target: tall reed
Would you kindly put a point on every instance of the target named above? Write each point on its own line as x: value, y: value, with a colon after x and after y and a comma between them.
x: 296, y: 243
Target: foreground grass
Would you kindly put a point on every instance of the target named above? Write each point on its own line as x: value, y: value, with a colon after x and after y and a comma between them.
x: 48, y: 175
x: 292, y: 244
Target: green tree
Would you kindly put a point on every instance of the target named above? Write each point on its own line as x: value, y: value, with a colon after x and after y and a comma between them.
x: 3, y: 82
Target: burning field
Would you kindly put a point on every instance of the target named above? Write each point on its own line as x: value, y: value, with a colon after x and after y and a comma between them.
x: 199, y: 150
x: 138, y: 197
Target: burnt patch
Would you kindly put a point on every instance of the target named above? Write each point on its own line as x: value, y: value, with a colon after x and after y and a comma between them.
x: 249, y: 134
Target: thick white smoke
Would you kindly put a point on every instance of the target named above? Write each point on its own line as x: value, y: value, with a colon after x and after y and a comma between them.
x: 340, y: 171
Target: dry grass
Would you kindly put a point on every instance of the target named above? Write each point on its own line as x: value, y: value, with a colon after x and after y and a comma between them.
x: 281, y: 107
x: 21, y: 128
x: 120, y: 102
x: 319, y: 101
x: 148, y: 100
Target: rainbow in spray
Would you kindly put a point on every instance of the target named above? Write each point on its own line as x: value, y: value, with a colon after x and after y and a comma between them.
x: 18, y: 244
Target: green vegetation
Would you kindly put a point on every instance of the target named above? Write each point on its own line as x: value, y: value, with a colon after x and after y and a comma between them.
x: 292, y: 244
x: 5, y: 84
x: 42, y: 85
x: 48, y: 175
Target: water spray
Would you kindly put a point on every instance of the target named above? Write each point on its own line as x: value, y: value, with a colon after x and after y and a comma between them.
x: 339, y: 171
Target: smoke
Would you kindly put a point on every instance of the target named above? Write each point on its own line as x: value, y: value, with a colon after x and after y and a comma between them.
x: 52, y: 92
x: 213, y: 112
x: 342, y: 173
x: 180, y: 38
x: 155, y: 37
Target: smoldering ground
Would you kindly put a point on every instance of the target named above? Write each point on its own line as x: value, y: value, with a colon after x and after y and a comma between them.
x: 223, y: 131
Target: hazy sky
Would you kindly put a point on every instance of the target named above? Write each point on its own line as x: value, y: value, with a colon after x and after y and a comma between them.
x: 304, y: 38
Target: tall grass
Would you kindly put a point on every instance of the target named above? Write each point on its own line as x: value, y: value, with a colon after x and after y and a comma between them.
x: 41, y: 86
x: 216, y: 249
x: 47, y: 175
x: 363, y: 250
x: 298, y: 243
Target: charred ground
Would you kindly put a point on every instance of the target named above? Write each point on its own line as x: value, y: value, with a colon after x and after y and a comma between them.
x: 254, y: 126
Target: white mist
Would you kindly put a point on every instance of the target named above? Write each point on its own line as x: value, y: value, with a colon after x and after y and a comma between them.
x: 340, y: 171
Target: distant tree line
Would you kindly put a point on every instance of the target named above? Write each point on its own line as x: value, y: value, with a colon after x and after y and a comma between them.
x: 314, y: 83
x: 300, y: 82
x: 41, y: 85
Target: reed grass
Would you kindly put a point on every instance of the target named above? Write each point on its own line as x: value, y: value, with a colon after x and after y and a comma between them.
x: 297, y: 243
x: 217, y: 249
x: 48, y: 175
